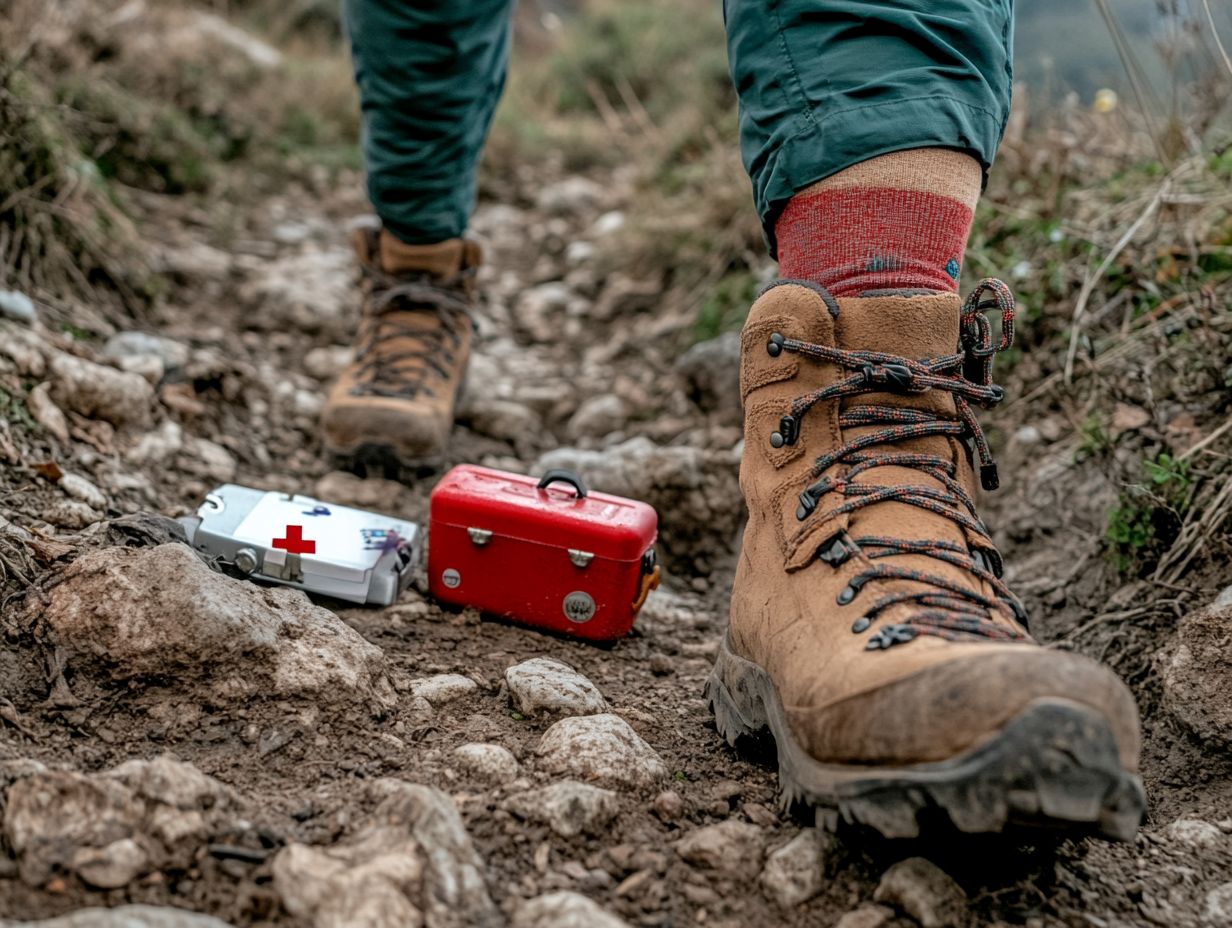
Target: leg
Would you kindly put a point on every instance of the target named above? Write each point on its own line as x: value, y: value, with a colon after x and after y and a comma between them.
x: 430, y: 74
x: 870, y: 630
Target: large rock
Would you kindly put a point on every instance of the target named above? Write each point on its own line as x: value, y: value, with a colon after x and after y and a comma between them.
x: 488, y: 762
x: 125, y: 916
x: 924, y: 891
x: 569, y: 808
x: 601, y: 748
x: 564, y: 909
x: 160, y: 614
x: 712, y: 371
x: 111, y: 827
x: 1197, y: 674
x: 542, y: 684
x: 793, y: 872
x: 731, y: 847
x: 100, y: 392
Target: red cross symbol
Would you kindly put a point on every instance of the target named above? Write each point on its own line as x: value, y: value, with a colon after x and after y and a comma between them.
x: 295, y: 542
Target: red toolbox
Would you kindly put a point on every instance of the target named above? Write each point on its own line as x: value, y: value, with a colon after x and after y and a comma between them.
x: 550, y: 556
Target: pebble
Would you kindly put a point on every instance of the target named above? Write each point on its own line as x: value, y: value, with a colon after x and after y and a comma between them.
x: 668, y: 805
x: 601, y: 748
x: 569, y: 808
x: 564, y: 909
x: 542, y: 684
x: 158, y: 445
x: 712, y: 371
x: 925, y: 892
x: 17, y: 306
x: 132, y: 344
x: 866, y: 916
x: 579, y: 252
x: 731, y: 847
x: 489, y: 762
x: 793, y: 872
x: 443, y: 688
x: 126, y: 916
x: 372, y: 493
x: 46, y: 413
x: 110, y: 867
x: 100, y: 392
x: 608, y: 223
x: 72, y: 514
x: 1198, y: 675
x: 504, y: 420
x: 1218, y: 908
x: 327, y: 363
x: 231, y: 639
x: 201, y: 457
x: 1195, y: 832
x: 597, y: 417
x: 570, y: 196
x: 79, y: 487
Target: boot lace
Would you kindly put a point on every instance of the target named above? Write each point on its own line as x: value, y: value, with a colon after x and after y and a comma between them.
x: 948, y: 610
x: 403, y: 373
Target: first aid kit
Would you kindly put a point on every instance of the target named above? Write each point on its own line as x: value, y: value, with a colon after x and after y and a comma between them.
x: 546, y: 552
x: 315, y: 546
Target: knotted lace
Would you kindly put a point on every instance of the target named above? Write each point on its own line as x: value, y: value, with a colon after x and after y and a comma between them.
x: 430, y: 349
x: 948, y: 609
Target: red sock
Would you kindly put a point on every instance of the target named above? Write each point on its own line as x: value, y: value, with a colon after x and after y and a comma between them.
x: 895, y: 222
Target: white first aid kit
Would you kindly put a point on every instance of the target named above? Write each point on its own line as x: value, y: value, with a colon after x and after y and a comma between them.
x: 315, y: 546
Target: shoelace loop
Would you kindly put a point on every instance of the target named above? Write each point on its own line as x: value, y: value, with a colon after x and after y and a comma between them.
x: 950, y: 610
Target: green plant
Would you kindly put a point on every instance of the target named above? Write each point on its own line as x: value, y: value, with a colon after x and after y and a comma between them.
x: 1148, y: 516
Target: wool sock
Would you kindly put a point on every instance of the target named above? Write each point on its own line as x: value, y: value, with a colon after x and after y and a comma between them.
x: 898, y: 221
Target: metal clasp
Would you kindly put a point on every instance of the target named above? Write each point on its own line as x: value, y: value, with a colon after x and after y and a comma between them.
x: 580, y: 558
x: 480, y: 536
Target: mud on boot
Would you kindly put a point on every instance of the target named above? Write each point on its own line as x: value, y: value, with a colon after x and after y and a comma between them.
x: 871, y: 633
x: 391, y: 411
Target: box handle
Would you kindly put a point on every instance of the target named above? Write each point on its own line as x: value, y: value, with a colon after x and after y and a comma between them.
x: 564, y: 476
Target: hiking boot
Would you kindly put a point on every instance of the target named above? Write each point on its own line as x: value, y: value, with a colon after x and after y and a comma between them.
x: 394, y: 404
x: 870, y: 630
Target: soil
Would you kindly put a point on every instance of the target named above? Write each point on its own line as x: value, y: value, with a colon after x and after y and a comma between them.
x: 264, y: 284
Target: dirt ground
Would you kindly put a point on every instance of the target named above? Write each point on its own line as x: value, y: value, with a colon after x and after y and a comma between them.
x: 260, y: 301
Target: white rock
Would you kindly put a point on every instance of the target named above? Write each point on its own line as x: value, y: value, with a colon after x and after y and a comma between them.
x: 110, y: 867
x: 866, y: 916
x: 1197, y: 674
x: 793, y: 872
x: 201, y: 457
x: 564, y: 909
x: 631, y: 468
x: 328, y: 362
x: 489, y: 762
x: 230, y: 638
x: 126, y: 916
x: 70, y: 513
x: 79, y: 487
x: 312, y: 291
x: 504, y: 420
x: 158, y: 445
x: 173, y: 783
x: 131, y: 344
x: 259, y: 53
x: 597, y: 417
x: 146, y: 366
x: 542, y: 684
x: 100, y: 392
x: 731, y: 847
x: 925, y: 892
x: 607, y: 224
x: 569, y: 808
x: 46, y: 413
x: 17, y: 306
x: 1218, y: 908
x: 1224, y: 598
x: 569, y: 196
x: 602, y: 748
x: 443, y: 688
x: 579, y: 252
x: 26, y: 350
x: 1195, y: 832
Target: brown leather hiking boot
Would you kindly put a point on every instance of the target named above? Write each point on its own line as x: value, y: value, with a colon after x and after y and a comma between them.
x: 870, y: 631
x: 394, y: 404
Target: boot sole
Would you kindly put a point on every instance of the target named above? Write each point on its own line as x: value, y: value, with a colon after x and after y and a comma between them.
x: 1055, y: 766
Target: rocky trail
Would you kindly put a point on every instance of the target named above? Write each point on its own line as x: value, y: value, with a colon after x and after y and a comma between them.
x: 201, y: 751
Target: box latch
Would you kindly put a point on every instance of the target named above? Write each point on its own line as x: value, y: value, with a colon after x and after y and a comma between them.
x: 480, y: 536
x: 580, y: 558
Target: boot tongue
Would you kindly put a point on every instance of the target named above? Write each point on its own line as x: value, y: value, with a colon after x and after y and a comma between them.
x: 915, y: 327
x: 442, y: 259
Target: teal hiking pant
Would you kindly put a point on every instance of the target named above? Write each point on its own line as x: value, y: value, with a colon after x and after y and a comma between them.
x: 822, y: 85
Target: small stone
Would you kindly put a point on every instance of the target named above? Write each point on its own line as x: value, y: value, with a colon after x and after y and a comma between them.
x: 504, y: 420
x: 607, y: 224
x: 203, y: 458
x: 793, y: 872
x: 46, y: 413
x: 731, y: 847
x: 866, y: 916
x: 925, y: 892
x: 1028, y: 435
x: 327, y: 362
x: 72, y: 514
x: 570, y: 196
x: 1195, y: 833
x: 158, y: 445
x: 597, y: 417
x: 17, y: 306
x: 579, y: 252
x: 80, y: 488
x: 668, y: 805
x: 1224, y: 598
x: 146, y: 366
x: 100, y: 392
x: 1218, y: 908
x: 126, y: 916
x: 443, y: 688
x: 1197, y: 674
x: 171, y: 353
x: 349, y: 490
x: 110, y: 867
x: 712, y: 371
x: 489, y: 762
x: 545, y: 685
x: 564, y: 909
x: 602, y: 748
x: 569, y: 808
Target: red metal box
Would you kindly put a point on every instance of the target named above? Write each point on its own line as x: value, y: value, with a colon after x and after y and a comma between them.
x: 553, y: 557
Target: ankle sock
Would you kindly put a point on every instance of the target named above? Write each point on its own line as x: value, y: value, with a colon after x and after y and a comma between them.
x: 895, y: 222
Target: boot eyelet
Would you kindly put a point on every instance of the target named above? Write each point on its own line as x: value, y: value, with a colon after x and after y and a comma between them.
x: 861, y: 624
x: 774, y: 347
x: 789, y: 431
x: 846, y: 595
